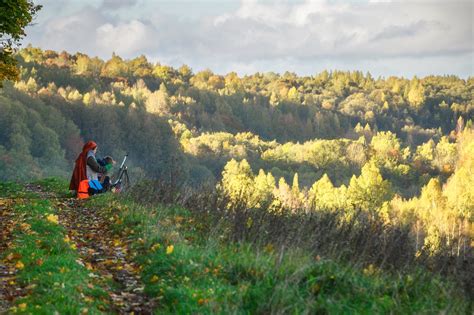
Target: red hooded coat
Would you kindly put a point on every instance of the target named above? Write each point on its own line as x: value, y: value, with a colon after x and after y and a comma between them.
x: 79, y: 172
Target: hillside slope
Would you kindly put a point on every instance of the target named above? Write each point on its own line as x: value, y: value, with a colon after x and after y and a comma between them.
x: 109, y: 254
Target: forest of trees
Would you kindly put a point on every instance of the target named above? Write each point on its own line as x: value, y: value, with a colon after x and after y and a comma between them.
x: 400, y: 150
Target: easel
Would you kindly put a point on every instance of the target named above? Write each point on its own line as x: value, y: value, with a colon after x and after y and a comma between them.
x: 123, y: 181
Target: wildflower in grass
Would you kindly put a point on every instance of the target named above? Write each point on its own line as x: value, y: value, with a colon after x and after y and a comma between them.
x: 154, y: 279
x: 73, y: 246
x: 169, y: 249
x: 19, y: 265
x: 52, y: 218
x: 67, y: 239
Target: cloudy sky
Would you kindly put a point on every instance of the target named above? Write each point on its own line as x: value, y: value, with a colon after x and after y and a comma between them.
x: 402, y: 37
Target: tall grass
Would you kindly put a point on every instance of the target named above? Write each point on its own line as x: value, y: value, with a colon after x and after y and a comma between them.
x: 272, y: 268
x: 356, y: 237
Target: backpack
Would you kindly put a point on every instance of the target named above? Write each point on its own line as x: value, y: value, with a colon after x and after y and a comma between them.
x: 83, y: 189
x: 95, y: 187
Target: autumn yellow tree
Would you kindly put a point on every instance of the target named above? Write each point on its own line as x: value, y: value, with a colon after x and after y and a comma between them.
x: 369, y: 190
x: 237, y: 183
x: 321, y: 196
x: 264, y: 185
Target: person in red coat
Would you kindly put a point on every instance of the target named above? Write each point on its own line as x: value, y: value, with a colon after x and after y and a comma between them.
x: 85, y: 158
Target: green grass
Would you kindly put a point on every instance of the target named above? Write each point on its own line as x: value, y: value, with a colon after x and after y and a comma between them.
x: 59, y: 186
x: 13, y: 190
x: 205, y: 275
x: 54, y: 280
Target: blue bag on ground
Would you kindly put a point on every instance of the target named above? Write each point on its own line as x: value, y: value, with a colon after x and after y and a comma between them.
x: 95, y: 187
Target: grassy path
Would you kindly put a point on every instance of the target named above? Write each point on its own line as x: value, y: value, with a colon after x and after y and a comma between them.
x: 58, y: 255
x: 106, y: 255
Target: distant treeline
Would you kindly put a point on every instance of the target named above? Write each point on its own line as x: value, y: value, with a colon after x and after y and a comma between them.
x: 282, y: 107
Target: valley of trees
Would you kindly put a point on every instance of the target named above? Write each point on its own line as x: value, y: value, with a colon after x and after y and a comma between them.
x: 398, y: 151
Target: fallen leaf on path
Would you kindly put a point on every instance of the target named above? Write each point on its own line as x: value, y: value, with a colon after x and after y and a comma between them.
x: 25, y: 226
x: 52, y: 218
x: 13, y: 256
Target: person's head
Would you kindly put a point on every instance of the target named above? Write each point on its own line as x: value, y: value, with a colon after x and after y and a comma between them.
x: 109, y: 160
x: 90, y: 145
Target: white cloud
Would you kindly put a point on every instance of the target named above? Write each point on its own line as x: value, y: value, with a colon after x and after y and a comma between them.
x: 68, y: 32
x: 321, y: 29
x: 126, y: 39
x: 304, y: 36
x: 281, y: 13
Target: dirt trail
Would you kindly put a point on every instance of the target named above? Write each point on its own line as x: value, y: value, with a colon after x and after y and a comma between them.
x: 107, y: 256
x: 101, y: 251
